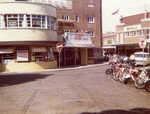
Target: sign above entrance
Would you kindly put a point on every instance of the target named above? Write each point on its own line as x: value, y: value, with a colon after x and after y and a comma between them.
x: 142, y: 43
x: 78, y: 40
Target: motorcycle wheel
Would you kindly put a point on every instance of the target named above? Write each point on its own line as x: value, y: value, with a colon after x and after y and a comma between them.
x: 124, y: 80
x: 147, y: 86
x: 138, y: 84
x: 115, y: 76
x: 108, y: 71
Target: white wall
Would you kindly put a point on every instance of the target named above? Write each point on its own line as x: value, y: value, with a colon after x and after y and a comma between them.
x: 27, y: 8
x: 27, y: 35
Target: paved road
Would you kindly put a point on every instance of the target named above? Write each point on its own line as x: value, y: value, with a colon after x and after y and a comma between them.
x: 81, y: 91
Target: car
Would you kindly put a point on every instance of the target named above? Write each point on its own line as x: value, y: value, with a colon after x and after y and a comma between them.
x: 141, y: 58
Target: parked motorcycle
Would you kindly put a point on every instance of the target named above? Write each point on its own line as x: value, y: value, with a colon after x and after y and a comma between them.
x: 143, y: 80
x: 125, y: 76
x: 109, y: 71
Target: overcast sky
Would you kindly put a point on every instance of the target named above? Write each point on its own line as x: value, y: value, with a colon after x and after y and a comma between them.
x: 126, y: 8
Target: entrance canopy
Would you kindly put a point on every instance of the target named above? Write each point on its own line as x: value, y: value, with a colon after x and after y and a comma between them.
x: 78, y: 40
x: 6, y: 51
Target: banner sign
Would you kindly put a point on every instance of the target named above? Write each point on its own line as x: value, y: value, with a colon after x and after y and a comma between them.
x: 78, y: 40
x: 22, y: 55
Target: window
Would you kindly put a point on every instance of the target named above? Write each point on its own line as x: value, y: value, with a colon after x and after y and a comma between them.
x: 7, y: 55
x: 53, y: 24
x: 139, y: 32
x: 91, y: 19
x: 65, y: 17
x: 132, y: 33
x: 147, y: 34
x: 126, y: 34
x: 77, y: 18
x: 147, y: 31
x: 36, y: 21
x: 42, y: 54
x: 22, y: 54
x: 14, y: 20
x: 147, y: 37
x: 91, y: 33
x: 30, y: 21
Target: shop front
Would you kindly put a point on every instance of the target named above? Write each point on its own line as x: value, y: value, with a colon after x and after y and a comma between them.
x: 27, y: 58
x: 127, y: 49
x: 75, y: 51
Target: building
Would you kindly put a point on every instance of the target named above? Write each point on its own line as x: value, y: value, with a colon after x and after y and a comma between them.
x: 88, y: 16
x: 85, y: 16
x: 109, y: 41
x: 27, y: 35
x: 131, y: 31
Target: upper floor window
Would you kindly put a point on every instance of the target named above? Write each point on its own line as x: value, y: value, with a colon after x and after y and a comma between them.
x: 91, y: 33
x: 77, y: 18
x: 65, y: 17
x: 126, y: 34
x: 139, y: 32
x: 14, y: 20
x: 91, y: 19
x: 132, y: 33
x: 147, y: 31
x: 30, y: 21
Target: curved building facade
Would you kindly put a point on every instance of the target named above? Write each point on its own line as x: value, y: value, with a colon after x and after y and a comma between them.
x: 27, y: 35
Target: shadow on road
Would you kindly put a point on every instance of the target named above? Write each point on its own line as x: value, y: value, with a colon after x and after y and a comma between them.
x: 14, y: 79
x: 117, y: 111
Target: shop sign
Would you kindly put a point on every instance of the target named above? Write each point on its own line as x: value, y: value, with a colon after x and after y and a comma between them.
x: 78, y: 40
x: 142, y: 43
x: 132, y: 27
x: 39, y: 49
x: 22, y: 55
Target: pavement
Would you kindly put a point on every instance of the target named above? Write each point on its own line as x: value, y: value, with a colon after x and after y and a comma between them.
x: 60, y: 69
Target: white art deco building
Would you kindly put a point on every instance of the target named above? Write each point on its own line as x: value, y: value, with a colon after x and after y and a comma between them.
x: 27, y: 35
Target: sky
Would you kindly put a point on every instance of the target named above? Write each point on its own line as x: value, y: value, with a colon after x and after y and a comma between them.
x: 126, y: 8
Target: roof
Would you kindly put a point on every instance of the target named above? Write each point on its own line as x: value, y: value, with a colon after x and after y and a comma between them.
x: 134, y: 19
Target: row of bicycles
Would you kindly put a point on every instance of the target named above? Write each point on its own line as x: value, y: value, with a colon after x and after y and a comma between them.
x: 126, y: 72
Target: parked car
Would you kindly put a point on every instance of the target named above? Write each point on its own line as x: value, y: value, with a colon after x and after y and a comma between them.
x: 141, y: 58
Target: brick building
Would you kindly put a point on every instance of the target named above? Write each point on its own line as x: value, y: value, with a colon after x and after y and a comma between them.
x: 85, y: 16
x: 131, y: 30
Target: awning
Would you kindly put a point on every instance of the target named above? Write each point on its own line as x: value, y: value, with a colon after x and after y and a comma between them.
x: 39, y: 49
x: 5, y: 51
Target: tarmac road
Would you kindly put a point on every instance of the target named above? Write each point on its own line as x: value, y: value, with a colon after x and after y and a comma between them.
x: 79, y: 91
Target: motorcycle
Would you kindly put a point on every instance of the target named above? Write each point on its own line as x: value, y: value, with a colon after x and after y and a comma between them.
x: 143, y: 80
x: 125, y: 76
x: 117, y: 72
x: 109, y: 70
